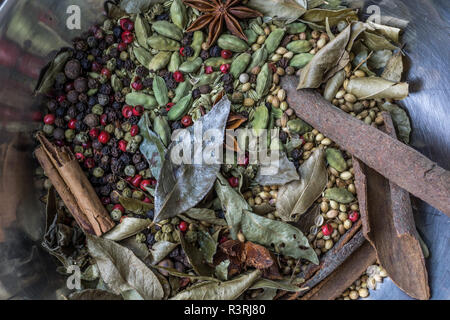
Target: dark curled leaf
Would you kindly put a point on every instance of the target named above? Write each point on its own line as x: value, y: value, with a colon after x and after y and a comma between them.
x: 289, y: 10
x: 135, y: 206
x: 160, y: 250
x: 376, y: 42
x: 400, y: 119
x: 206, y: 215
x: 151, y: 147
x: 196, y: 258
x: 122, y: 270
x: 181, y: 187
x: 127, y: 228
x: 208, y: 245
x: 318, y: 16
x: 47, y: 77
x: 94, y: 294
x: 325, y: 62
x: 176, y: 273
x: 280, y: 285
x: 394, y: 68
x: 228, y: 290
x: 221, y: 271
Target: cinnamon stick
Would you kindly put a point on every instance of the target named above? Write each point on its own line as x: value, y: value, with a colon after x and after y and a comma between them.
x: 74, y: 188
x: 388, y: 224
x: 343, y: 277
x: 394, y: 160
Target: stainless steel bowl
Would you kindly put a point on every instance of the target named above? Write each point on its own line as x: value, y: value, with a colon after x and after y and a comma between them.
x: 30, y: 33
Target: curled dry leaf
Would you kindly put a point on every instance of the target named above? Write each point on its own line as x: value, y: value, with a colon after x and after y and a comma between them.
x: 160, y: 250
x: 207, y: 215
x: 295, y: 198
x: 47, y: 77
x: 183, y: 186
x: 377, y: 88
x: 286, y: 173
x: 319, y: 16
x: 94, y: 294
x: 122, y: 270
x: 135, y: 206
x: 394, y: 68
x: 400, y: 119
x: 289, y: 10
x: 195, y: 257
x: 228, y: 290
x: 279, y: 285
x: 127, y: 228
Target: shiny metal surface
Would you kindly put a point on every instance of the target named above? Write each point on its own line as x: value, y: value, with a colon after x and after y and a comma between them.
x: 28, y: 272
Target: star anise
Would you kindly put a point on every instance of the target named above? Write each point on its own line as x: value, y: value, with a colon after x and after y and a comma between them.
x: 216, y: 12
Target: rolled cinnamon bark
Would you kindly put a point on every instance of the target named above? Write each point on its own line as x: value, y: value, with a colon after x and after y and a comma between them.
x: 77, y: 184
x: 388, y: 224
x: 394, y: 160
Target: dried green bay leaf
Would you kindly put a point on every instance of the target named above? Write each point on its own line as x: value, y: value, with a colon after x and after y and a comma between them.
x: 207, y: 215
x: 325, y: 62
x: 318, y: 16
x: 295, y: 198
x: 152, y: 148
x: 135, y: 206
x: 377, y: 88
x: 183, y: 186
x: 122, y: 270
x: 394, y: 68
x: 289, y: 10
x: 376, y: 42
x: 176, y: 273
x: 160, y: 250
x: 208, y: 245
x: 280, y: 285
x: 195, y: 257
x: 132, y: 295
x: 228, y: 290
x: 94, y: 294
x: 400, y: 119
x: 127, y: 228
x: 221, y: 271
x: 47, y: 78
x: 286, y: 173
x: 379, y: 59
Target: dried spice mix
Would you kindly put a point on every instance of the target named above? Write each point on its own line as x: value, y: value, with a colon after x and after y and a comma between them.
x: 211, y: 231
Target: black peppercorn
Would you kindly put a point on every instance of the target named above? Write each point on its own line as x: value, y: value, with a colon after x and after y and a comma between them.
x: 58, y: 134
x: 227, y: 78
x: 92, y: 101
x: 72, y: 112
x: 141, y: 166
x: 102, y: 45
x: 129, y: 65
x: 296, y: 154
x: 133, y: 120
x: 188, y: 52
x: 116, y: 105
x: 137, y: 157
x: 83, y: 97
x: 147, y: 82
x: 80, y: 55
x: 81, y: 107
x: 86, y: 64
x: 60, y: 123
x: 72, y: 69
x: 142, y: 71
x: 80, y: 85
x: 92, y: 42
x: 117, y: 31
x: 103, y: 99
x: 176, y: 125
x: 52, y: 105
x: 283, y: 136
x: 109, y: 39
x: 80, y: 126
x: 115, y: 152
x: 80, y: 116
x: 97, y: 145
x: 72, y: 96
x: 81, y: 45
x: 126, y: 81
x: 171, y: 84
x: 186, y: 41
x: 91, y: 120
x: 215, y: 51
x: 196, y: 93
x: 93, y: 83
x: 120, y: 64
x: 60, y: 78
x: 205, y: 89
x: 105, y: 89
x: 59, y: 113
x: 125, y: 159
x: 105, y: 190
x: 164, y: 16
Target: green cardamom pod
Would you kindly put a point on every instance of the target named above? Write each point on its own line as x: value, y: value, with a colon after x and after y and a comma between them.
x: 178, y: 14
x: 191, y: 66
x: 264, y: 81
x: 260, y: 120
x: 197, y: 41
x: 340, y: 195
x: 298, y: 126
x: 160, y: 61
x: 116, y: 83
x: 274, y: 40
x: 295, y: 28
x: 182, y: 90
x: 259, y: 57
x: 257, y: 28
x: 232, y: 43
x: 277, y: 113
x: 160, y: 90
x: 239, y: 64
x: 167, y: 29
x: 207, y: 78
x: 142, y: 30
x: 175, y: 62
x: 143, y: 56
x: 301, y: 60
x: 162, y: 129
x: 251, y: 36
x: 333, y: 85
x: 336, y: 160
x: 180, y: 108
x: 216, y: 62
x: 141, y: 99
x: 163, y: 43
x: 299, y: 46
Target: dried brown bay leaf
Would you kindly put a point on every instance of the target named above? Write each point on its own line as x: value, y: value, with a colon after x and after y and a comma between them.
x: 295, y: 198
x: 377, y: 88
x: 394, y: 68
x: 279, y: 285
x: 135, y: 206
x: 121, y: 270
x: 181, y: 187
x: 318, y: 16
x: 377, y: 42
x: 228, y: 290
x: 47, y: 77
x: 160, y: 250
x: 127, y: 228
x: 207, y: 215
x: 288, y: 10
x: 196, y: 258
x: 400, y: 119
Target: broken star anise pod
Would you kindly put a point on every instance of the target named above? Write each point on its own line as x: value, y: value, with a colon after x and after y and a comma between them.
x: 215, y: 13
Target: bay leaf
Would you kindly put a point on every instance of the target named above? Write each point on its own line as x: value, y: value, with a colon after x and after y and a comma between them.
x: 266, y: 295
x: 263, y: 209
x: 160, y: 250
x: 379, y: 59
x: 228, y: 290
x: 176, y: 273
x: 208, y: 245
x: 289, y: 10
x: 151, y: 147
x: 196, y: 258
x: 135, y: 206
x: 207, y: 215
x: 279, y: 285
x: 122, y: 270
x: 286, y: 173
x: 278, y: 236
x: 181, y: 187
x: 221, y: 271
x: 127, y: 228
x: 132, y: 295
x: 401, y: 121
x: 139, y: 249
x: 361, y: 56
x: 233, y: 204
x: 137, y: 6
x: 295, y: 198
x: 318, y: 16
x: 326, y: 60
x: 392, y: 33
x: 377, y: 88
x: 394, y: 68
x: 47, y: 77
x: 94, y: 294
x: 377, y: 42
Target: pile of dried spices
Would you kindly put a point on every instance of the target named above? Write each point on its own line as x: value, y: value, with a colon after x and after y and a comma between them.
x: 115, y: 98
